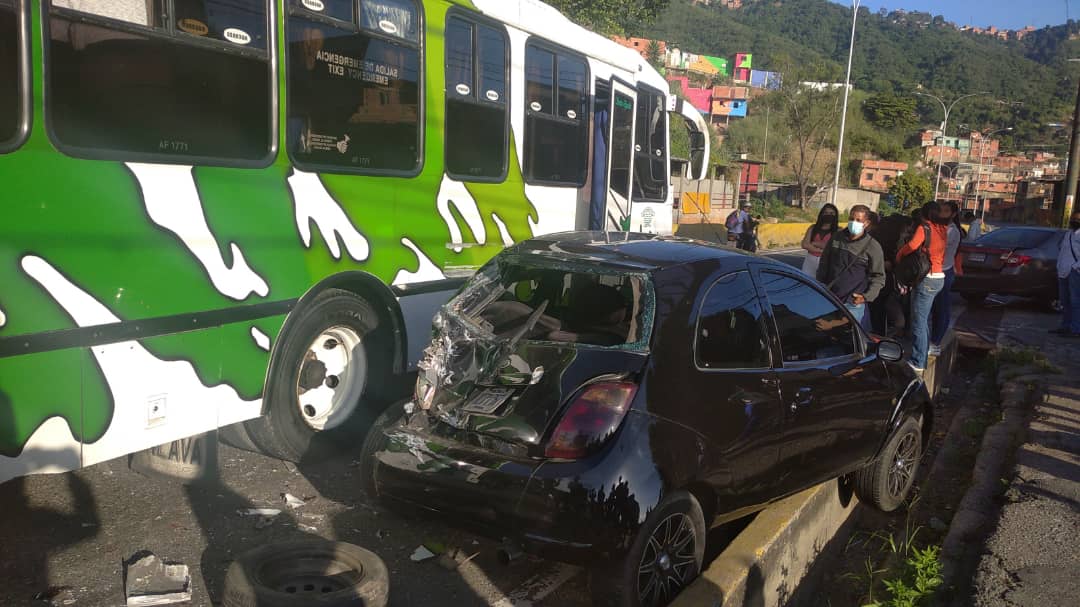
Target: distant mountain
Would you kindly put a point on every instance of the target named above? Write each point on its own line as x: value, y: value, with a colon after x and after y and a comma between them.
x: 1031, y: 85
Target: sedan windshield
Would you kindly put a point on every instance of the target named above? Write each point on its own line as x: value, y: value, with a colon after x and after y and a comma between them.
x: 557, y: 303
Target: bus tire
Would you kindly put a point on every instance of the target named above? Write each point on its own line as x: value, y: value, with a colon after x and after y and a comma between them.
x: 323, y: 381
x: 187, y: 461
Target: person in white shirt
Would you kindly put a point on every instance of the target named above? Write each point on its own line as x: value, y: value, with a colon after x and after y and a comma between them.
x: 1068, y: 270
x: 975, y: 226
x: 941, y: 312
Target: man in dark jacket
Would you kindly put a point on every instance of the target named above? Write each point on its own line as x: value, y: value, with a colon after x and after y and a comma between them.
x: 853, y: 266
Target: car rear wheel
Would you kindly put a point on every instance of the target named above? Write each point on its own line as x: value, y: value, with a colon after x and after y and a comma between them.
x: 666, y: 556
x: 886, y: 482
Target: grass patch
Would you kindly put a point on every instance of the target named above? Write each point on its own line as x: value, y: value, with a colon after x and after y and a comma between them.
x: 918, y: 581
x: 1018, y: 357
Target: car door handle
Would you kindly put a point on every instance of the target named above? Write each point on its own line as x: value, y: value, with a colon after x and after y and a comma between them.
x: 804, y: 397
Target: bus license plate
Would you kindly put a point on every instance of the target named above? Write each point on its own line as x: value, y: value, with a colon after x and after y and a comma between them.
x: 977, y: 257
x: 488, y: 401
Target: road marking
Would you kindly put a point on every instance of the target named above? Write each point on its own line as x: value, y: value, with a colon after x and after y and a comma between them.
x: 529, y: 593
x: 539, y: 586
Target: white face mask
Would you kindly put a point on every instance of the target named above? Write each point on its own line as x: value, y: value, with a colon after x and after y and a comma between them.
x: 856, y: 227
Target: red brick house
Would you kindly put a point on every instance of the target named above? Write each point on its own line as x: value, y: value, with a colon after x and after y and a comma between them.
x: 876, y: 175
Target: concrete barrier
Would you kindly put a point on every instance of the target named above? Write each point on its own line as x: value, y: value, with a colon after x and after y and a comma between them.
x: 770, y: 235
x: 768, y: 560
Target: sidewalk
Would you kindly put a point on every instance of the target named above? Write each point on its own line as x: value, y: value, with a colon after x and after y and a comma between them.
x: 1031, y: 556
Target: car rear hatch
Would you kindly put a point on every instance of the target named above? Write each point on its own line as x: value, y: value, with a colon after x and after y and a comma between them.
x: 521, y: 339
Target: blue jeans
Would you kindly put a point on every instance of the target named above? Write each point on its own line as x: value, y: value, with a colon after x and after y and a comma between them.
x: 922, y: 301
x: 942, y: 310
x: 1069, y: 293
x: 858, y: 311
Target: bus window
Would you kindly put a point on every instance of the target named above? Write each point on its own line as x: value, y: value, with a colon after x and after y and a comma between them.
x: 650, y: 146
x: 354, y: 92
x: 120, y: 85
x: 476, y: 101
x: 342, y: 10
x: 11, y: 93
x: 396, y: 18
x: 556, y: 121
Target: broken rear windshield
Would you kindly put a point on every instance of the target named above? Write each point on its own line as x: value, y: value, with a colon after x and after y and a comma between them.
x: 558, y: 303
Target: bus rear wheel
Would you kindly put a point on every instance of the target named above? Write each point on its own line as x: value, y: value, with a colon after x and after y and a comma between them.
x: 321, y: 387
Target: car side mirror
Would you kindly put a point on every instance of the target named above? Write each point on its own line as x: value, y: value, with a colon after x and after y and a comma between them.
x: 890, y: 351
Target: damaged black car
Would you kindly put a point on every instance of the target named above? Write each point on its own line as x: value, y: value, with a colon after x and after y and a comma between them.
x: 604, y: 398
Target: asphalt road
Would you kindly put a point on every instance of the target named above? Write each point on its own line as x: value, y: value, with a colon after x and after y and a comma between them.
x: 65, y: 536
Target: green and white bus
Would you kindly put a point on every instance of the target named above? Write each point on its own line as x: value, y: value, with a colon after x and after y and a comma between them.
x: 224, y: 211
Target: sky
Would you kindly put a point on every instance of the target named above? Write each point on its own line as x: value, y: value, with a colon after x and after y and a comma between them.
x: 1006, y: 14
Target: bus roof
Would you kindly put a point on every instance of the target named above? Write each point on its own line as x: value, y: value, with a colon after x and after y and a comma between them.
x: 543, y: 20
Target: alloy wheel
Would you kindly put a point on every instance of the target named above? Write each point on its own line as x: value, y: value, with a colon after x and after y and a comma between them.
x: 902, y: 470
x: 668, y: 563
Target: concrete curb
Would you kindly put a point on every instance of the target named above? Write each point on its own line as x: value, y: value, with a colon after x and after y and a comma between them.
x: 979, y: 506
x: 766, y: 562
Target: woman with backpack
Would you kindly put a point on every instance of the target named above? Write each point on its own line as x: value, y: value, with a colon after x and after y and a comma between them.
x: 920, y: 266
x: 818, y: 236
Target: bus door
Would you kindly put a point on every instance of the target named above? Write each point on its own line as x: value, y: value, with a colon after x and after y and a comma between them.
x: 622, y: 111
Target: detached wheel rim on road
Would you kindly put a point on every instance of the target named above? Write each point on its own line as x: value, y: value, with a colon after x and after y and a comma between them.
x: 668, y: 562
x: 331, y: 378
x: 902, y: 470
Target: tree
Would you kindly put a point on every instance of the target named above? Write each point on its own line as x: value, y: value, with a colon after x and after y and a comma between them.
x: 813, y: 117
x: 911, y: 190
x: 611, y: 17
x: 653, y: 55
x: 887, y: 111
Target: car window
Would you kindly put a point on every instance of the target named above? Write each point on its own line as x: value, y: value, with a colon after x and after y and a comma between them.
x: 1009, y: 238
x: 810, y: 326
x: 729, y: 334
x: 557, y: 303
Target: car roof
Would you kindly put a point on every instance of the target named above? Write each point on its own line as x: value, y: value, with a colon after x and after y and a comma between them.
x: 625, y: 250
x: 1017, y: 226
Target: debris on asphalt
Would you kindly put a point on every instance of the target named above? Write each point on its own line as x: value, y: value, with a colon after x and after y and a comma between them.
x: 421, y: 554
x: 149, y: 580
x: 292, y: 501
x: 56, y: 595
x: 291, y: 467
x: 307, y: 528
x: 311, y: 516
x: 259, y: 512
x: 382, y: 534
x: 454, y: 558
x: 263, y: 522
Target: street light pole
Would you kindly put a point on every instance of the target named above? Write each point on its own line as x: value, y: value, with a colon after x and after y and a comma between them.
x: 944, y: 129
x: 847, y: 89
x: 1073, y: 170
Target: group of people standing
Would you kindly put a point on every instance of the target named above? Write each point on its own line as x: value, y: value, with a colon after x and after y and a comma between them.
x: 859, y: 264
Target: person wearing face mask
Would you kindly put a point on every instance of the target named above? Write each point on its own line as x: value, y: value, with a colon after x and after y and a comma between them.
x: 818, y: 236
x: 936, y: 218
x: 1068, y: 269
x: 852, y: 264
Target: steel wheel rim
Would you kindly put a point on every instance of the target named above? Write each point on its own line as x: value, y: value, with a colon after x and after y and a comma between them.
x: 331, y: 378
x: 902, y: 470
x: 669, y: 561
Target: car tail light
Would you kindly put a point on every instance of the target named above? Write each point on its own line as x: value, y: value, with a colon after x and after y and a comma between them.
x: 1012, y: 260
x: 591, y: 419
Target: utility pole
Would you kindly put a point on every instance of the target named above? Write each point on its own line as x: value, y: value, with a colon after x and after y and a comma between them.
x: 847, y: 90
x: 1074, y: 163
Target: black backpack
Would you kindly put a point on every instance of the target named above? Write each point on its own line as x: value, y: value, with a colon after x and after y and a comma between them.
x: 910, y: 270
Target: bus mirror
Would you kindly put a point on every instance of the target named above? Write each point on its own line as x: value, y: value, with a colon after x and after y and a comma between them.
x: 697, y: 155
